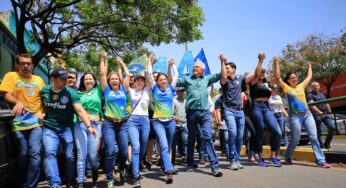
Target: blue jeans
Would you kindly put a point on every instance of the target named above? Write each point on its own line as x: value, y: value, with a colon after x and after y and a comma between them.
x: 235, y: 121
x: 86, y: 145
x: 281, y: 121
x: 29, y: 143
x: 327, y: 119
x: 306, y: 120
x: 202, y: 119
x: 114, y: 135
x: 51, y: 140
x: 223, y: 136
x: 200, y: 146
x: 139, y: 128
x: 180, y: 139
x: 261, y: 116
x: 165, y: 133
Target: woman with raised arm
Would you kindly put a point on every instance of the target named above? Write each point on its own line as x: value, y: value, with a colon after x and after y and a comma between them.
x: 90, y: 94
x: 261, y: 114
x: 138, y: 120
x: 163, y: 123
x: 299, y: 114
x: 114, y: 127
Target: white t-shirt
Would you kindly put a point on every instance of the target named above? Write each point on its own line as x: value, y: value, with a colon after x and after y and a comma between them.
x: 275, y: 104
x: 143, y: 105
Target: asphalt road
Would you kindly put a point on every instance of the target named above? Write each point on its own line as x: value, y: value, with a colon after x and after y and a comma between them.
x: 298, y: 175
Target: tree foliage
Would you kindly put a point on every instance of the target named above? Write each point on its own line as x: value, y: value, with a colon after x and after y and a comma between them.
x: 327, y: 54
x: 120, y: 26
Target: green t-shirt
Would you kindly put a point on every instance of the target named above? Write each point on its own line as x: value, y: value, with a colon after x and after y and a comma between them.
x: 58, y: 107
x: 92, y: 101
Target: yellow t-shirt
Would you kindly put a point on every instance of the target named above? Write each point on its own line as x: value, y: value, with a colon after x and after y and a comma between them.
x: 296, y: 98
x: 28, y: 91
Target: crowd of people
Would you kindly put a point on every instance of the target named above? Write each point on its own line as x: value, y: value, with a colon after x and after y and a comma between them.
x: 115, y: 119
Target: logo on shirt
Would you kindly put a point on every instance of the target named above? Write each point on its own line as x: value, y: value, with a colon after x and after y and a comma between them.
x: 116, y: 95
x: 64, y: 100
x: 55, y: 97
x: 30, y: 92
x: 144, y: 107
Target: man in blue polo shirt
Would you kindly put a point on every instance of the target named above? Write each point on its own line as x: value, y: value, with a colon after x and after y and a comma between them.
x: 233, y: 110
x: 321, y: 113
x: 198, y: 114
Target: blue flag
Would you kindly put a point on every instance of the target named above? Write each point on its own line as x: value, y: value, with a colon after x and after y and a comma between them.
x: 186, y: 64
x: 201, y: 57
x: 161, y: 65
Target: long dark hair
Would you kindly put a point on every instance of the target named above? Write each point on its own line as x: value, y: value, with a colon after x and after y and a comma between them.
x: 288, y: 77
x: 160, y: 74
x: 81, y: 81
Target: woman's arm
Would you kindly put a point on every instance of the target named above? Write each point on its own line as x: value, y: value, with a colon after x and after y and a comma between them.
x: 276, y: 67
x: 261, y: 57
x: 103, y: 70
x: 171, y: 67
x: 309, y: 76
x: 122, y: 65
x: 151, y: 80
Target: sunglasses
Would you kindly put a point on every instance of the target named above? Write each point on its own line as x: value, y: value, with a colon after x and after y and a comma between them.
x: 25, y: 63
x: 71, y: 77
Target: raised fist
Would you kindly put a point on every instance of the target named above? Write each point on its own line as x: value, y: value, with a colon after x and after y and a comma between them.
x: 222, y: 58
x: 118, y: 60
x: 308, y: 63
x: 103, y: 54
x: 170, y: 62
x: 275, y: 59
x: 151, y: 58
x: 261, y: 56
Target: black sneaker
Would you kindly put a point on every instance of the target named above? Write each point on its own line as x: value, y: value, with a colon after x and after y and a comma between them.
x: 169, y: 179
x: 216, y: 172
x: 137, y: 182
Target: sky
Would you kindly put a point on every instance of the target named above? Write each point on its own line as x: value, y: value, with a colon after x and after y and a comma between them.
x: 242, y: 28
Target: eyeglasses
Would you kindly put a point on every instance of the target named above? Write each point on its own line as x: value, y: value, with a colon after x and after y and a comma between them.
x: 25, y: 63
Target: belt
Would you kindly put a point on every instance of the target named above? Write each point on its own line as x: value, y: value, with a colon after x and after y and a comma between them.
x: 300, y: 112
x: 278, y: 114
x: 115, y: 120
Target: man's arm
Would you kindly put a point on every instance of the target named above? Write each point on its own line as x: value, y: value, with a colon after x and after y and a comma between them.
x: 18, y: 108
x: 223, y: 69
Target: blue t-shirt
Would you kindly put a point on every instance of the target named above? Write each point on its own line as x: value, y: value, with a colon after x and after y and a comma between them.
x: 115, y: 103
x: 163, y: 100
x: 314, y: 97
x: 232, y: 92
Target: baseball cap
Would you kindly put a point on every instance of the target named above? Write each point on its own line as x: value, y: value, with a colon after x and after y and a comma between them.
x: 139, y: 76
x: 60, y: 73
x: 180, y: 88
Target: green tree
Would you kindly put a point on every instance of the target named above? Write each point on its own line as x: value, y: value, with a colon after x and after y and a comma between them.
x: 117, y: 25
x: 327, y: 55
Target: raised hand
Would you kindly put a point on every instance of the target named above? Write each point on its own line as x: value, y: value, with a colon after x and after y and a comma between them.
x: 103, y: 55
x: 308, y: 63
x: 275, y: 59
x: 151, y: 58
x: 222, y: 58
x: 119, y: 61
x: 261, y: 57
x: 170, y: 62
